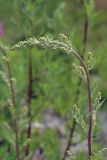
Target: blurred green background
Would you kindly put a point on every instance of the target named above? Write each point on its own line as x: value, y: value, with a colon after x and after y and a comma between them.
x: 54, y: 82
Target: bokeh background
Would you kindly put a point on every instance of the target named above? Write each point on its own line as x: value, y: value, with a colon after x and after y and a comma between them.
x: 55, y: 84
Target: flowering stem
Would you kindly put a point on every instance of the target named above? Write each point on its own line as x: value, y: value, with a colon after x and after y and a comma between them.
x: 13, y: 101
x: 66, y: 46
x: 85, y: 36
x: 89, y: 104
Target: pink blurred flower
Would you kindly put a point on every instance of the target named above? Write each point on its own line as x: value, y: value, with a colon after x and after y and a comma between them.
x: 2, y: 33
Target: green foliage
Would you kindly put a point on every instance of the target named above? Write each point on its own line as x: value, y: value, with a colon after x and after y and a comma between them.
x: 78, y: 117
x: 54, y: 83
x: 7, y: 133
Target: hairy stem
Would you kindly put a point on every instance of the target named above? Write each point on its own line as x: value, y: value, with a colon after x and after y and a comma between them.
x: 13, y: 97
x: 30, y: 91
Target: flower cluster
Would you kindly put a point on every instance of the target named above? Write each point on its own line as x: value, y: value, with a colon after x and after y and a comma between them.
x: 78, y: 117
x: 45, y: 43
x: 97, y: 100
x: 90, y: 62
x: 96, y: 106
x: 80, y: 71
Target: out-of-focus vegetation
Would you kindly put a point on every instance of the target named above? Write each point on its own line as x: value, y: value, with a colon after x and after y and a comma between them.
x: 54, y: 83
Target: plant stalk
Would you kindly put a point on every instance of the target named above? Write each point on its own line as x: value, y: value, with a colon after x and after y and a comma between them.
x: 89, y: 103
x: 30, y: 91
x: 85, y: 37
x: 13, y: 97
x: 55, y: 44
